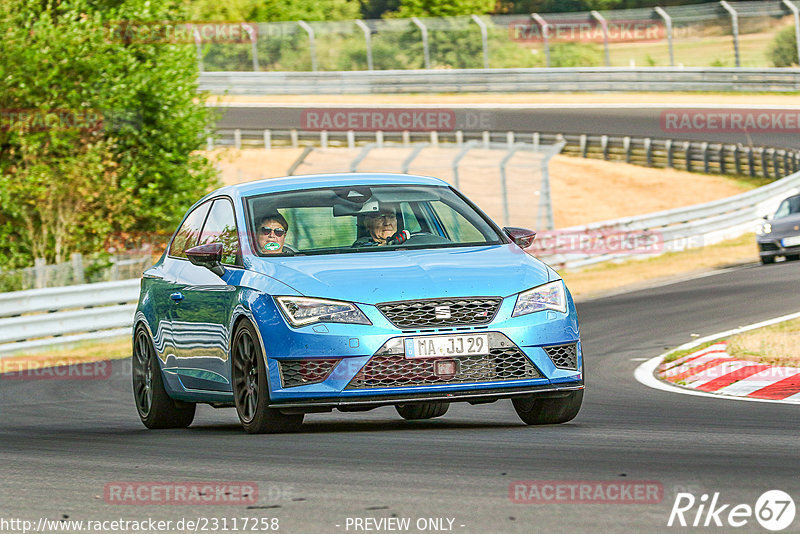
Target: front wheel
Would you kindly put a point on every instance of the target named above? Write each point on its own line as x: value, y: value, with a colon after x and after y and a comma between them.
x: 766, y: 260
x: 425, y: 410
x: 250, y: 390
x: 548, y: 410
x: 156, y: 408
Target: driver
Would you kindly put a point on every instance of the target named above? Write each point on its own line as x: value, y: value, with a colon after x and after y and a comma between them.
x: 271, y: 233
x: 381, y: 228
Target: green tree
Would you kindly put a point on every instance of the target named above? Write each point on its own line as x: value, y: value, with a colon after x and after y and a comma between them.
x: 271, y: 10
x: 783, y: 50
x: 437, y: 8
x: 98, y: 133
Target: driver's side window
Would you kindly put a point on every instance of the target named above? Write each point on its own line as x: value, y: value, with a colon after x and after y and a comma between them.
x: 188, y: 234
x: 220, y: 227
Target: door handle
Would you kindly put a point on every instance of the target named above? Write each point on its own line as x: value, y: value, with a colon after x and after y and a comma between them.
x: 177, y: 297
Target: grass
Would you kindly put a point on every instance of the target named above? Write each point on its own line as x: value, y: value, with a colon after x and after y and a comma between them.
x: 709, y: 51
x: 672, y: 356
x: 607, y: 277
x: 775, y: 345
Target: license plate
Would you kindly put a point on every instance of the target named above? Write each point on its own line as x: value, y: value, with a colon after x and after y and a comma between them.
x: 791, y: 241
x: 440, y: 346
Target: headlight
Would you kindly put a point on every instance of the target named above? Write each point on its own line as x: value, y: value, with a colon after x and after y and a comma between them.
x: 546, y: 297
x: 764, y: 229
x: 301, y: 311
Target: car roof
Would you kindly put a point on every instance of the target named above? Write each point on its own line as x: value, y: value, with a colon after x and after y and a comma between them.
x: 309, y: 181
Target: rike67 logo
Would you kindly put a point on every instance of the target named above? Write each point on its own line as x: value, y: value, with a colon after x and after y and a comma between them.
x: 774, y: 510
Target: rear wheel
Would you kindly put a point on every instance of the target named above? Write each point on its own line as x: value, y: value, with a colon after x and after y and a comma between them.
x: 793, y: 257
x: 426, y: 410
x: 250, y: 390
x: 156, y: 408
x: 549, y: 410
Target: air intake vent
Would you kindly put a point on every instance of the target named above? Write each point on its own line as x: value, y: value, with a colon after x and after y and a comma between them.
x: 564, y: 356
x: 440, y: 312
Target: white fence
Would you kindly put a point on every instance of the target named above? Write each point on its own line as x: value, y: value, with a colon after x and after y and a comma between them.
x: 673, y: 35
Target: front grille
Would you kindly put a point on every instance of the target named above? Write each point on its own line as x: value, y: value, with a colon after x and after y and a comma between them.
x: 301, y: 372
x: 440, y: 312
x: 386, y: 371
x: 768, y: 247
x: 564, y: 356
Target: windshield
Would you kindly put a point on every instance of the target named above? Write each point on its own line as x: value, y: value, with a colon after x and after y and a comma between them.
x: 364, y: 218
x: 790, y: 206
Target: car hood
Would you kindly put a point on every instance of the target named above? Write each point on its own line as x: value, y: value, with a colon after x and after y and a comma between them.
x: 785, y: 225
x: 373, y: 277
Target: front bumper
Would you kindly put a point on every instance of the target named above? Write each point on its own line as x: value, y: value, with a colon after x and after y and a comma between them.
x: 771, y: 247
x: 345, y: 352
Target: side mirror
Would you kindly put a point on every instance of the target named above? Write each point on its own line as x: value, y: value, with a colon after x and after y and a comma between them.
x: 208, y: 256
x: 521, y: 236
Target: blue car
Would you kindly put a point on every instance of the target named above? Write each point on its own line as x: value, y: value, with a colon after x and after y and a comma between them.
x: 350, y: 291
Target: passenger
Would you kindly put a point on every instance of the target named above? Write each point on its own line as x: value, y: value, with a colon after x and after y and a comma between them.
x: 271, y: 233
x: 381, y: 228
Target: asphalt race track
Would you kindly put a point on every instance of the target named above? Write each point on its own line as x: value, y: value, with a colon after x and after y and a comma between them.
x: 62, y: 441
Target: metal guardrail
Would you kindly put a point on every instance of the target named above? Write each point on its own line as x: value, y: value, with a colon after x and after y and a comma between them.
x: 68, y: 297
x: 584, y: 79
x: 42, y: 318
x: 691, y: 226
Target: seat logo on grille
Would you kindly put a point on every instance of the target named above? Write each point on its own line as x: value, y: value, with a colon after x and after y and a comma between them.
x: 442, y: 312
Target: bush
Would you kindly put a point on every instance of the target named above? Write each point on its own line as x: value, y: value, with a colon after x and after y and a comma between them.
x: 98, y: 135
x: 783, y: 51
x: 575, y: 55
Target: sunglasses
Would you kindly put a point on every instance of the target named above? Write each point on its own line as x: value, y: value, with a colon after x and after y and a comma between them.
x: 383, y: 216
x: 279, y: 232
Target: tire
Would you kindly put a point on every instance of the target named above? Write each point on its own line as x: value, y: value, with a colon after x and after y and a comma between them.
x: 250, y: 389
x: 548, y: 410
x: 792, y: 257
x: 426, y: 410
x: 156, y: 409
x: 766, y: 260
